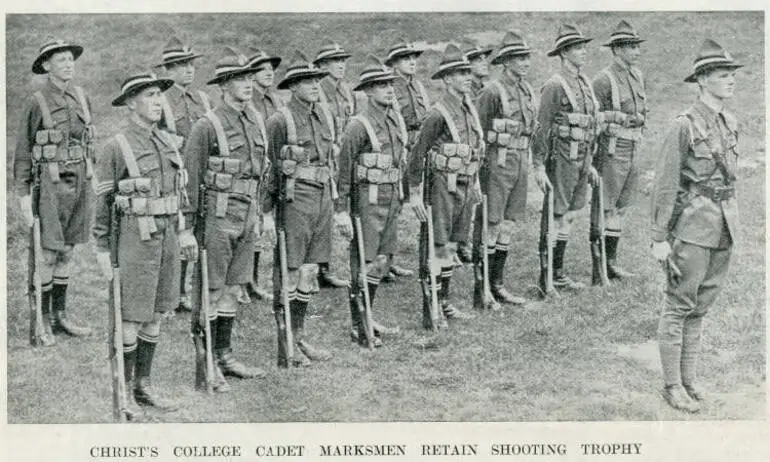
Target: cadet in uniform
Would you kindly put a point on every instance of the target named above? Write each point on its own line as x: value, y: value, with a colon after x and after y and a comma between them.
x: 226, y: 153
x: 620, y: 91
x: 563, y: 145
x: 139, y: 199
x: 181, y: 109
x: 695, y: 219
x: 508, y: 113
x: 372, y: 162
x: 267, y: 102
x: 54, y: 149
x: 302, y: 149
x: 453, y: 140
x: 337, y: 96
x: 412, y: 102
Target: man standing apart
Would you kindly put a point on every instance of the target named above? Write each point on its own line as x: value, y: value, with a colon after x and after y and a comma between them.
x: 302, y: 150
x: 452, y: 140
x: 54, y: 151
x: 226, y: 153
x: 267, y: 102
x: 413, y: 103
x: 139, y: 200
x: 695, y: 219
x: 372, y: 164
x: 563, y: 146
x: 181, y: 109
x: 508, y: 114
x: 620, y: 91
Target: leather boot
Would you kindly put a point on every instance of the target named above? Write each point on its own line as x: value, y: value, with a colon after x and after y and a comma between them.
x: 185, y: 303
x: 677, y: 397
x: 256, y: 292
x: 613, y: 270
x: 60, y: 322
x: 218, y: 384
x: 691, y: 335
x: 482, y: 301
x: 144, y: 394
x: 596, y: 263
x: 132, y: 410
x: 47, y: 338
x: 560, y: 279
x: 327, y: 279
x: 450, y: 311
x: 497, y: 268
x: 224, y: 353
x: 309, y: 353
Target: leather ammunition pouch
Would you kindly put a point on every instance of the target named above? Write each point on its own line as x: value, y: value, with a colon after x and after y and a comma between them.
x: 507, y: 134
x: 716, y: 193
x: 455, y: 160
x: 576, y: 128
x: 228, y: 177
x: 145, y: 209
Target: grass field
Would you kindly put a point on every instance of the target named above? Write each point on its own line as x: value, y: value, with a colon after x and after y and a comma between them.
x: 586, y: 357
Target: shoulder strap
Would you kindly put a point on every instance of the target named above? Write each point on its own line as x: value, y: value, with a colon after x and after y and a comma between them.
x: 83, y: 104
x: 205, y: 100
x: 348, y: 95
x: 128, y: 155
x: 503, y: 97
x: 614, y: 91
x: 329, y: 120
x: 402, y: 128
x: 591, y: 91
x: 168, y: 114
x: 423, y: 92
x: 450, y: 123
x: 532, y: 94
x: 47, y: 119
x: 363, y: 120
x: 476, y: 120
x: 291, y: 127
x: 567, y: 90
x: 224, y: 148
x: 260, y: 123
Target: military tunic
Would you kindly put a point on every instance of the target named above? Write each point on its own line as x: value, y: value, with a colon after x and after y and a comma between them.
x: 505, y: 183
x: 233, y: 185
x: 308, y: 216
x: 694, y: 207
x: 477, y: 88
x: 266, y: 102
x: 149, y: 265
x: 65, y: 202
x: 565, y: 165
x: 413, y: 103
x: 186, y: 107
x: 379, y: 221
x: 617, y: 168
x: 452, y: 210
x: 340, y: 101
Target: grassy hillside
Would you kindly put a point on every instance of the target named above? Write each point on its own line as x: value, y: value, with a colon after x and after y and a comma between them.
x: 585, y: 357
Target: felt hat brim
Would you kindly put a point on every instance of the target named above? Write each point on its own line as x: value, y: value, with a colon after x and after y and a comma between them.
x: 164, y: 85
x: 274, y: 60
x: 624, y: 41
x: 402, y: 54
x: 485, y: 52
x: 567, y: 44
x: 336, y: 55
x: 179, y: 59
x: 692, y: 78
x: 37, y: 66
x: 225, y: 76
x: 449, y: 70
x: 367, y: 83
x: 500, y: 59
x: 286, y: 82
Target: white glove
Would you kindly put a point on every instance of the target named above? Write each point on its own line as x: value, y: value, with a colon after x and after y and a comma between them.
x: 541, y: 178
x: 25, y: 203
x: 593, y: 175
x: 268, y: 227
x: 415, y: 201
x: 344, y: 224
x: 661, y: 250
x: 188, y: 245
x: 105, y: 264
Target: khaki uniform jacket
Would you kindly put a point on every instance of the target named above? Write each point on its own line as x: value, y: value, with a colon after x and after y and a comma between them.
x: 632, y: 98
x: 64, y: 207
x: 411, y: 102
x: 267, y: 103
x: 355, y: 141
x: 187, y: 107
x: 686, y: 156
x: 340, y: 100
x: 553, y: 104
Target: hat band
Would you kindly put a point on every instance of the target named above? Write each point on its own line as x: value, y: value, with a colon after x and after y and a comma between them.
x: 712, y: 60
x: 566, y: 38
x: 512, y: 48
x: 402, y: 49
x: 136, y: 81
x: 53, y: 45
x: 374, y: 74
x: 623, y: 36
x: 220, y: 70
x: 452, y: 64
x: 291, y: 73
x: 333, y: 51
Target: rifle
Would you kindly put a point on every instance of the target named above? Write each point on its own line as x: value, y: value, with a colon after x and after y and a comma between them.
x: 200, y: 327
x: 366, y: 309
x: 120, y: 411
x: 550, y: 239
x: 282, y: 318
x: 597, y: 219
x: 38, y: 335
x: 484, y: 244
x: 427, y: 249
